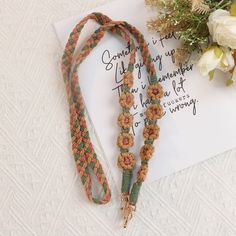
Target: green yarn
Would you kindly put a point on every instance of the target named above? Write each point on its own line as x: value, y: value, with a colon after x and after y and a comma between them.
x: 126, y: 89
x: 131, y: 68
x: 156, y: 101
x: 125, y: 130
x: 144, y: 162
x: 81, y: 146
x: 149, y: 141
x: 153, y: 79
x: 135, y: 192
x: 83, y: 178
x: 122, y: 150
x: 125, y: 110
x: 126, y: 181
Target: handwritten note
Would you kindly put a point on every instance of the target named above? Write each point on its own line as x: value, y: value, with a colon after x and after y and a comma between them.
x: 177, y: 97
x: 199, y: 115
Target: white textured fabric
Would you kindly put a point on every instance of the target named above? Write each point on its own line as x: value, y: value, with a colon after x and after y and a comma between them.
x: 40, y: 192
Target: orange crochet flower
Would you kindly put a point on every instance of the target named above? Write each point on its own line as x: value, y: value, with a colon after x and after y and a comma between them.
x: 155, y: 91
x: 125, y: 141
x: 154, y: 111
x: 127, y: 100
x: 125, y: 120
x: 142, y: 173
x: 146, y: 152
x: 128, y: 79
x: 151, y: 132
x: 126, y: 161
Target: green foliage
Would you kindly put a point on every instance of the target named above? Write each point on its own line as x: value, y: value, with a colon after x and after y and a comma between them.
x: 190, y: 19
x: 194, y: 31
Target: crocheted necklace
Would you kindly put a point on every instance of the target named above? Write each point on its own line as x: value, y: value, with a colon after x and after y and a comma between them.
x: 83, y: 151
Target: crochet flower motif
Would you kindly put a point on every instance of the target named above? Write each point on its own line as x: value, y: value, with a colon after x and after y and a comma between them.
x: 125, y: 120
x: 154, y: 111
x: 128, y: 79
x: 151, y: 132
x: 155, y: 91
x: 125, y: 141
x: 126, y: 161
x: 142, y: 173
x: 127, y: 100
x: 146, y: 152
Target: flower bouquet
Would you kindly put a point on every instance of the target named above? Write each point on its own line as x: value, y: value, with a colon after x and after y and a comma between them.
x: 207, y: 27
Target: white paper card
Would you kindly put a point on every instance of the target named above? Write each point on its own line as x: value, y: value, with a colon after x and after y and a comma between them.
x: 200, y: 119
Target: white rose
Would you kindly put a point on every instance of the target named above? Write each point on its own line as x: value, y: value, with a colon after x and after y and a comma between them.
x: 208, y: 62
x: 213, y: 58
x: 222, y: 28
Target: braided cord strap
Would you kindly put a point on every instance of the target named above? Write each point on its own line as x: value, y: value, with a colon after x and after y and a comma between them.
x: 82, y: 147
x: 84, y: 154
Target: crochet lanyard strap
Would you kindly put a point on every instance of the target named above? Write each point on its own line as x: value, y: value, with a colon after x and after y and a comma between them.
x: 82, y: 147
x: 81, y: 144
